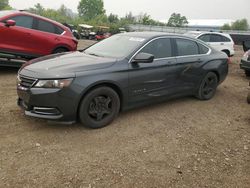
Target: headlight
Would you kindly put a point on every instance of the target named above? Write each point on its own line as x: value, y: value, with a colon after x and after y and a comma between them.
x: 62, y: 83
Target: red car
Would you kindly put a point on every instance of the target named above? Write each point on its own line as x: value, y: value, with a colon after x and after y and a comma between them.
x: 29, y: 36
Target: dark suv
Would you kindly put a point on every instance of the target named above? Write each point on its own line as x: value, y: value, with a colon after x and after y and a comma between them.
x: 29, y: 36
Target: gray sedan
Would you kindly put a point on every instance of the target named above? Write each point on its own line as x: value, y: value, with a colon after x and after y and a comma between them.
x: 119, y: 73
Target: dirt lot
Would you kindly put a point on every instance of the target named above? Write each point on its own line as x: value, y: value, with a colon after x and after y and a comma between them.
x: 180, y: 143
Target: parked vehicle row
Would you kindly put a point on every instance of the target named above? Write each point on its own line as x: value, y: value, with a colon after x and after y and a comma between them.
x: 119, y: 73
x: 29, y: 36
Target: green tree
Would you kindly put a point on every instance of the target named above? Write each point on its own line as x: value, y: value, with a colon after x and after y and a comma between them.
x: 113, y: 18
x: 38, y: 9
x: 130, y: 18
x: 240, y: 25
x: 89, y: 9
x: 4, y: 5
x: 237, y: 25
x: 226, y: 27
x: 176, y: 20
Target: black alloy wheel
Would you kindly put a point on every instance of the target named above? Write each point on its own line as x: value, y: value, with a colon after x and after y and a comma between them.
x: 99, y: 107
x: 208, y: 86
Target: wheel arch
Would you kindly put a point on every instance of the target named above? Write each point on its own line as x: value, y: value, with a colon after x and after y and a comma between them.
x: 61, y: 46
x: 227, y: 52
x: 110, y: 84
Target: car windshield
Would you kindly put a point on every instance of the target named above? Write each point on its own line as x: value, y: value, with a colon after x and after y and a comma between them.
x: 118, y: 46
x: 5, y: 13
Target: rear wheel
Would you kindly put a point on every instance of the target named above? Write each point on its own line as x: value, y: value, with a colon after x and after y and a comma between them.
x: 247, y: 73
x: 60, y: 50
x: 208, y: 86
x: 99, y: 107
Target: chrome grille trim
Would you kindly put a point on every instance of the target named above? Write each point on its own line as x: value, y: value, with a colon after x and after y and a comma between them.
x: 27, y: 82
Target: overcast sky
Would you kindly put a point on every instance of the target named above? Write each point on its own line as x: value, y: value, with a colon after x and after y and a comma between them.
x: 158, y: 9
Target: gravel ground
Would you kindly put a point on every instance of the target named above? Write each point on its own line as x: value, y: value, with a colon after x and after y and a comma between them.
x: 180, y: 143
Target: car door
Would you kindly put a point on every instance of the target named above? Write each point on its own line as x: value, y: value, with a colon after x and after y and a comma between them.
x: 217, y: 42
x: 190, y: 58
x: 17, y: 38
x: 46, y: 36
x: 148, y: 81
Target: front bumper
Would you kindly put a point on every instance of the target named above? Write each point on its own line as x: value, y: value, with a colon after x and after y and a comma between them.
x: 50, y: 104
x: 245, y: 65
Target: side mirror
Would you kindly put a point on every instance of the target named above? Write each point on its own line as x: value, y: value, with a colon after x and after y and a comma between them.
x: 246, y: 45
x: 9, y: 23
x: 143, y: 58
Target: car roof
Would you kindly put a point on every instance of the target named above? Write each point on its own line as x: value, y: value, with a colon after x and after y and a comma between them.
x: 198, y: 33
x: 24, y: 12
x: 149, y: 35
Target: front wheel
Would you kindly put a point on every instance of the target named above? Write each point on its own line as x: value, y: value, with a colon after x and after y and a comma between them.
x: 99, y: 107
x: 208, y: 87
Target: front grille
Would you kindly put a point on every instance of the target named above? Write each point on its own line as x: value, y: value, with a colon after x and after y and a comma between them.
x: 27, y: 82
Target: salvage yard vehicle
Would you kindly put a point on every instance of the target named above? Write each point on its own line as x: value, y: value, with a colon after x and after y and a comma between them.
x: 87, y: 32
x: 245, y: 63
x: 219, y: 41
x: 102, y: 33
x: 119, y: 73
x: 29, y: 36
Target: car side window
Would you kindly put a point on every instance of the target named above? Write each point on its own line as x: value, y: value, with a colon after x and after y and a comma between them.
x: 225, y: 39
x: 23, y: 21
x: 215, y: 38
x: 45, y: 26
x: 59, y: 30
x: 203, y: 49
x: 186, y: 47
x: 205, y: 38
x: 160, y: 48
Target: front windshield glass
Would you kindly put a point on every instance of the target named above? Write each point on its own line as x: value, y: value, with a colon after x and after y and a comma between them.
x: 117, y: 46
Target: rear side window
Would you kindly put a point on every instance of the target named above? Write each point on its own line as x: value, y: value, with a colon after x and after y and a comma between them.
x: 203, y: 49
x: 160, y: 48
x: 46, y: 26
x: 225, y: 39
x: 186, y: 47
x: 59, y: 30
x: 205, y: 38
x: 215, y: 38
x: 23, y: 21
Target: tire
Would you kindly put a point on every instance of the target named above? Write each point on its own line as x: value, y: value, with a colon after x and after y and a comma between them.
x: 226, y: 52
x: 99, y: 107
x: 60, y: 50
x: 248, y: 98
x: 247, y: 73
x: 208, y: 87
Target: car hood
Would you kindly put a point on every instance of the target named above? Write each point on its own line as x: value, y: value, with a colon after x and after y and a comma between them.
x: 64, y: 65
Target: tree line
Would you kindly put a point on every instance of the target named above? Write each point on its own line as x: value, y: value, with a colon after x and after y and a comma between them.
x: 92, y: 12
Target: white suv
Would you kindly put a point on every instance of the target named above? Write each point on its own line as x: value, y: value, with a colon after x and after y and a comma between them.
x: 219, y: 41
